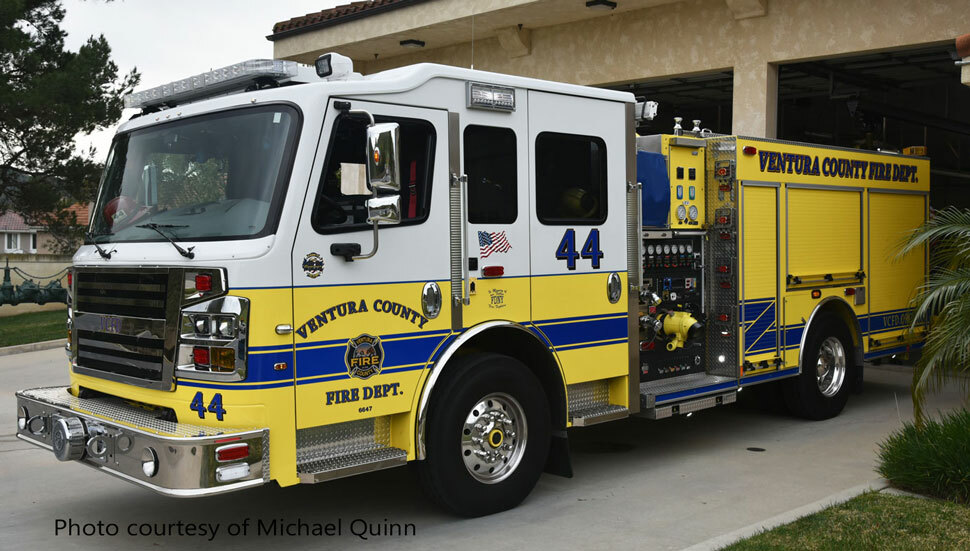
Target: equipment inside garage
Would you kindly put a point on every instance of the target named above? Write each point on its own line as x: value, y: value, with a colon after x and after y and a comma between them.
x: 886, y: 101
x: 706, y: 97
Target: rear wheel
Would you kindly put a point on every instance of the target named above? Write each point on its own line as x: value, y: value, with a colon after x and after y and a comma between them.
x: 828, y: 369
x: 487, y: 436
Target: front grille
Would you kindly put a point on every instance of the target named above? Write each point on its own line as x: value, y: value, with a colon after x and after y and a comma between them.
x: 139, y: 357
x: 120, y: 325
x: 135, y: 294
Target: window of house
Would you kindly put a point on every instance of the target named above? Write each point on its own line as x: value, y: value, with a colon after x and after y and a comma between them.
x: 12, y: 242
x: 33, y: 242
x: 341, y: 198
x: 490, y: 164
x: 570, y: 179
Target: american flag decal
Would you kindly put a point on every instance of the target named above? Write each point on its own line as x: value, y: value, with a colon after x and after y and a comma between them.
x: 489, y: 243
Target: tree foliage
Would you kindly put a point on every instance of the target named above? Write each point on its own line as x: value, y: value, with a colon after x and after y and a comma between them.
x: 943, y: 303
x: 48, y: 96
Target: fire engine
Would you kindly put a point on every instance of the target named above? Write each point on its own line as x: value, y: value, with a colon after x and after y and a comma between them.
x: 297, y: 273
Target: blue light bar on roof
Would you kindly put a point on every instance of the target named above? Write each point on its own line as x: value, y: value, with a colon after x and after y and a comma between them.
x: 212, y: 82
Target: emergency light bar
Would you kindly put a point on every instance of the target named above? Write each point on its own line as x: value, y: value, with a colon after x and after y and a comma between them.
x: 213, y: 82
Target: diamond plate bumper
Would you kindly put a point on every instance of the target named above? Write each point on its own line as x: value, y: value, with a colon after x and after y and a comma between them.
x: 118, y: 435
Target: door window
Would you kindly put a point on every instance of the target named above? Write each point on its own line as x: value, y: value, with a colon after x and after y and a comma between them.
x: 340, y: 203
x: 570, y: 179
x: 490, y: 164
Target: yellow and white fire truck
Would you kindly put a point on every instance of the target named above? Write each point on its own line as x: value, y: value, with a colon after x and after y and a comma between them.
x: 300, y: 273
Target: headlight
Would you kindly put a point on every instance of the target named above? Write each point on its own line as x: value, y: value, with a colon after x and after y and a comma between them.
x: 213, y: 340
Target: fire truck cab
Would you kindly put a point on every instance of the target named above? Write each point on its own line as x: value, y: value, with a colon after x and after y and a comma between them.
x: 300, y: 273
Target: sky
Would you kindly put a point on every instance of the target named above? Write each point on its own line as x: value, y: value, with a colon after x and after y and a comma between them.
x: 173, y: 39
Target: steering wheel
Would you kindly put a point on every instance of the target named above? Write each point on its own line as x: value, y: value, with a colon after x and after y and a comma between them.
x: 332, y: 208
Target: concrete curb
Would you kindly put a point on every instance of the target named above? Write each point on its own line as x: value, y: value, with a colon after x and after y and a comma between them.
x: 789, y: 516
x: 32, y: 347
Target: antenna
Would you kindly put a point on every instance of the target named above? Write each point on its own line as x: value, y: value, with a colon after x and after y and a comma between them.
x: 473, y: 36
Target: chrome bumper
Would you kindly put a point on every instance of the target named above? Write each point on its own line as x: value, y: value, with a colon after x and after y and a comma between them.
x: 118, y: 438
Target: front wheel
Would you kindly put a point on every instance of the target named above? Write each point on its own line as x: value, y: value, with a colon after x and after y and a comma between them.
x: 487, y: 436
x: 828, y: 370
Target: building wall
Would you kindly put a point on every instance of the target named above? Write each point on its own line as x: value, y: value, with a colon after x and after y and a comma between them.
x: 699, y: 36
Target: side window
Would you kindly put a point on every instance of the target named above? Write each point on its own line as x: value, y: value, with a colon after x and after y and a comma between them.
x: 570, y: 179
x: 490, y: 164
x: 342, y: 193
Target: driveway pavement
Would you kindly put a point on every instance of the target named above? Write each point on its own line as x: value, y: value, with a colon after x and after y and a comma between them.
x: 638, y: 484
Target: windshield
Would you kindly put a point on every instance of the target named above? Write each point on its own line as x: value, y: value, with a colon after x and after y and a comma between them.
x: 212, y: 177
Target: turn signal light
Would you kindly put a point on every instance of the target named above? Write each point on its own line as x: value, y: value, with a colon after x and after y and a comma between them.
x: 70, y: 278
x: 493, y: 271
x: 722, y: 219
x: 223, y: 359
x: 816, y: 293
x: 203, y: 282
x: 723, y: 317
x: 749, y: 150
x: 850, y: 291
x: 723, y: 269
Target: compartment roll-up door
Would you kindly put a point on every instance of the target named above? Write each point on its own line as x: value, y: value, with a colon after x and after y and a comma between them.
x: 824, y: 232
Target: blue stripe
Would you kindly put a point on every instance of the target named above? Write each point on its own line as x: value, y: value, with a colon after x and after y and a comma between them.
x: 591, y: 344
x: 694, y: 391
x: 578, y: 318
x: 231, y: 386
x: 586, y: 331
x: 894, y: 350
x: 330, y: 361
x: 769, y: 376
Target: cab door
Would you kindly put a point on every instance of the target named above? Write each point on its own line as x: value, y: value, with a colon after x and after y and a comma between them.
x: 363, y: 332
x: 577, y: 184
x: 494, y: 153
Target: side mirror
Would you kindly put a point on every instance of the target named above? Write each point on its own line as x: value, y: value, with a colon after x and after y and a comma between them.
x: 383, y: 169
x: 384, y: 210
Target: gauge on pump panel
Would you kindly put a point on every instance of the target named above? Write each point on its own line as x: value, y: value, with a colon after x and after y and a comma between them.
x: 681, y: 212
x: 666, y: 249
x: 690, y: 248
x: 650, y: 249
x: 683, y: 249
x: 693, y: 212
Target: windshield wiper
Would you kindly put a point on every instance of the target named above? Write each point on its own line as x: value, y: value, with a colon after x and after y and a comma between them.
x: 157, y: 227
x: 94, y: 241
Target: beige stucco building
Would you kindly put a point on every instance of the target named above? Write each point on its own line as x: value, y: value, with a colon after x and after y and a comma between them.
x: 863, y: 73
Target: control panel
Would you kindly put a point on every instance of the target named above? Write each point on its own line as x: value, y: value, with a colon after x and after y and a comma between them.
x: 686, y: 173
x: 672, y: 306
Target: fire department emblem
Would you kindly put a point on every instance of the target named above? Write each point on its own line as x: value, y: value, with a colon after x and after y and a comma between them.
x: 313, y: 265
x: 364, y: 357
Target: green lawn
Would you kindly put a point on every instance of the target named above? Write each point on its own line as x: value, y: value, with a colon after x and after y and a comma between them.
x: 33, y: 327
x: 872, y: 521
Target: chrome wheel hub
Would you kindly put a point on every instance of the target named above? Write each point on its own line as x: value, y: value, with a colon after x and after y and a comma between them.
x: 493, y: 438
x: 830, y: 370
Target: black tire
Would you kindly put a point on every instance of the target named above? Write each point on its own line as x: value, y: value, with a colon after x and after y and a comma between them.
x: 803, y: 394
x: 444, y: 476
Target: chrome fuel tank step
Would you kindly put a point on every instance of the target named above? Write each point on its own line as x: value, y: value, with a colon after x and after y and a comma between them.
x: 344, y: 449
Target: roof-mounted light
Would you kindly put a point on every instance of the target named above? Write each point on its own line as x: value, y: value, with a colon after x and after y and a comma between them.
x: 334, y: 66
x: 213, y: 82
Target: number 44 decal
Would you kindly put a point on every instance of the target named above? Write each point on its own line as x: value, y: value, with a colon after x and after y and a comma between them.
x: 215, y: 406
x: 591, y: 249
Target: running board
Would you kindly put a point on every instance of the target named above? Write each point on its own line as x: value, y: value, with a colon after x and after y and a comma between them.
x: 689, y: 406
x: 598, y: 414
x: 353, y: 463
x: 334, y: 451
